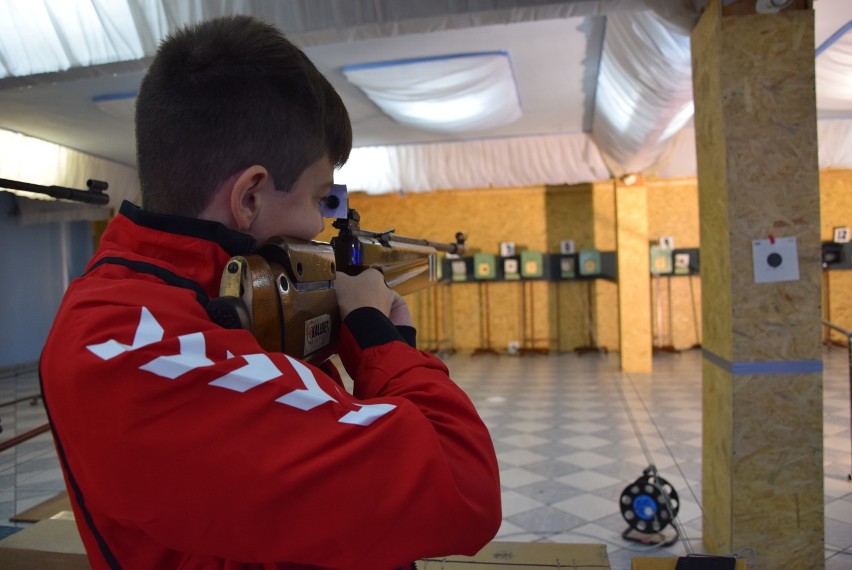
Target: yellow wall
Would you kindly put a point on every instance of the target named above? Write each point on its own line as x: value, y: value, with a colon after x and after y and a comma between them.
x: 582, y: 315
x: 572, y: 314
x: 676, y: 300
x: 462, y: 319
x: 836, y: 210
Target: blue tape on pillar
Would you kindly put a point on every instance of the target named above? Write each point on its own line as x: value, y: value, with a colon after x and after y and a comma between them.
x: 765, y: 367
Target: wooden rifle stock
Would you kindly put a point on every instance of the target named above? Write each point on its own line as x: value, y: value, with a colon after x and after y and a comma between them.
x: 284, y: 294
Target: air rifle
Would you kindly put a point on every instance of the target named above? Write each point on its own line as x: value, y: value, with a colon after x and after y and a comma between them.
x: 94, y: 195
x: 284, y: 293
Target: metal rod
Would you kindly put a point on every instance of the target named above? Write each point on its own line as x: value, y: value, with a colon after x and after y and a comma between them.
x: 23, y: 437
x: 94, y: 195
x: 837, y: 328
x: 455, y: 248
x: 34, y: 398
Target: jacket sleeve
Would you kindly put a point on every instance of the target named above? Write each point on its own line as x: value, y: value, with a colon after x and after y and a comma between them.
x: 177, y: 420
x: 383, y: 365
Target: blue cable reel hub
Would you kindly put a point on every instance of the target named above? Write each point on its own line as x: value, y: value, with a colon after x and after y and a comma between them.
x: 650, y: 503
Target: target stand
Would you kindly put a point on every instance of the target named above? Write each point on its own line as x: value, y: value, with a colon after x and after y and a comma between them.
x: 649, y: 505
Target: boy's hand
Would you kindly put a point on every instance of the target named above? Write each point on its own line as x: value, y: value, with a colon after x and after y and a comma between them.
x: 367, y: 289
x: 399, y: 314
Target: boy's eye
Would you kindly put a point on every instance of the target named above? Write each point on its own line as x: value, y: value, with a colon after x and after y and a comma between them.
x: 330, y: 201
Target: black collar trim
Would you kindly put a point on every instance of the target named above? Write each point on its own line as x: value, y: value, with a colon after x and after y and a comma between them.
x: 233, y: 242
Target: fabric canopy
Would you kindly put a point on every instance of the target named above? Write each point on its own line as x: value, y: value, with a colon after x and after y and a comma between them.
x: 568, y: 159
x: 454, y: 93
x: 644, y: 93
x: 643, y: 103
x: 834, y: 74
x: 572, y: 159
x: 41, y: 36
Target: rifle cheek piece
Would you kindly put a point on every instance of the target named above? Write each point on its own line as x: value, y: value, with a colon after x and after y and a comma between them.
x: 287, y: 289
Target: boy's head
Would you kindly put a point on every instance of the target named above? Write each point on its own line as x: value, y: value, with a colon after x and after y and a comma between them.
x: 226, y: 94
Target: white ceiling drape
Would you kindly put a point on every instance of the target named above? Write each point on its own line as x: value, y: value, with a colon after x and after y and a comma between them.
x: 522, y: 161
x: 557, y: 160
x: 456, y: 93
x: 834, y: 74
x: 42, y: 36
x: 644, y: 90
x: 643, y: 97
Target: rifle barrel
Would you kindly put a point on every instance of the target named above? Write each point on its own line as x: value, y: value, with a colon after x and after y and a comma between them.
x: 93, y: 196
x: 455, y: 248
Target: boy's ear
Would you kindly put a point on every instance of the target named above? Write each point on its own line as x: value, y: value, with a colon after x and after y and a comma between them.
x: 245, y: 199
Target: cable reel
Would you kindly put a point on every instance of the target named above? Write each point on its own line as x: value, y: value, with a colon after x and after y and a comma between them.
x: 650, y: 503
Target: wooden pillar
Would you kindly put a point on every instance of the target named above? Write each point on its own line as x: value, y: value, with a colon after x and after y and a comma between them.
x: 634, y: 281
x: 604, y: 293
x: 755, y: 116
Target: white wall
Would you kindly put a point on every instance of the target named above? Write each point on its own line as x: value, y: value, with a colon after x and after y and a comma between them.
x: 37, y: 263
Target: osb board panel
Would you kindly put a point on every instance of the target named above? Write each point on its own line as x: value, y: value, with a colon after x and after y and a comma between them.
x: 487, y: 216
x: 605, y: 330
x: 537, y: 319
x: 606, y: 327
x: 676, y: 311
x: 488, y: 315
x: 772, y: 174
x: 835, y: 201
x: 769, y: 166
x: 469, y: 323
x: 430, y: 310
x: 838, y: 308
x: 762, y: 466
x: 634, y: 295
x: 568, y: 211
x: 778, y: 507
x: 574, y: 309
x: 748, y: 7
x: 587, y: 313
x: 716, y: 458
x: 603, y: 215
x: 713, y: 190
x: 503, y: 318
x: 757, y: 164
x: 673, y: 211
x: 836, y: 211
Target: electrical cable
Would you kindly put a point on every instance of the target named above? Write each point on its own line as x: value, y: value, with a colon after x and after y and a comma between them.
x: 837, y: 550
x: 647, y: 452
x: 745, y: 552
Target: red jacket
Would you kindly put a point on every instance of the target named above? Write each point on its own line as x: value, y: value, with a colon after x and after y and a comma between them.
x: 185, y: 445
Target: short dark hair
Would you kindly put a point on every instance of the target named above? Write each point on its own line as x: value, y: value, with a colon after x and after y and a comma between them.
x: 222, y: 95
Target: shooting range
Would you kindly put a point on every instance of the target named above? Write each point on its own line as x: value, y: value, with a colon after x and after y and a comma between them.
x: 652, y: 308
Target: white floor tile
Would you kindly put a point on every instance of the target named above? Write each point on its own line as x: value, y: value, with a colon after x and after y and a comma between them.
x: 519, y: 457
x: 587, y: 506
x: 839, y: 510
x: 516, y: 477
x: 514, y: 503
x: 588, y: 480
x: 587, y: 459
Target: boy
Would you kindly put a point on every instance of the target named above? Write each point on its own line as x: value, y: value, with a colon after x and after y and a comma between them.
x: 184, y: 444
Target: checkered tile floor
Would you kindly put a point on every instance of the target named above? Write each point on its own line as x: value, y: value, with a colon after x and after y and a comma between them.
x: 566, y: 444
